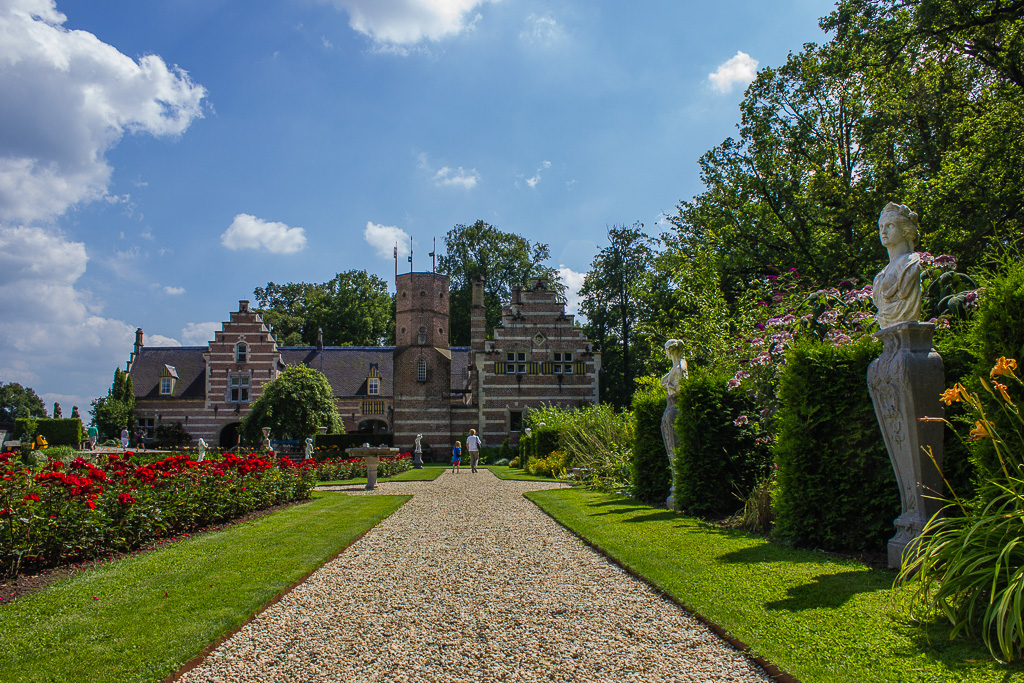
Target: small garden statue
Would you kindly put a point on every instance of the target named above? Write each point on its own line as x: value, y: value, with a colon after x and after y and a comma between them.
x: 905, y: 382
x: 417, y: 453
x: 57, y: 414
x: 309, y: 447
x: 676, y: 373
x: 202, y: 449
x: 266, y: 438
x: 896, y: 290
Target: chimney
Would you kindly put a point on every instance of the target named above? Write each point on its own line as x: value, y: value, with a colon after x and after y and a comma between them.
x: 478, y: 315
x: 320, y: 339
x: 137, y: 350
x: 243, y: 306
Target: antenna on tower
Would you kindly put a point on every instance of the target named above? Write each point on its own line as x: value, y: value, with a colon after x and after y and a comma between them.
x: 410, y: 254
x: 433, y: 258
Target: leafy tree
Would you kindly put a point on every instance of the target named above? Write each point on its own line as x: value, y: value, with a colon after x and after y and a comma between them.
x: 353, y: 309
x: 18, y: 401
x: 297, y: 403
x: 503, y: 259
x: 610, y: 300
x: 115, y: 411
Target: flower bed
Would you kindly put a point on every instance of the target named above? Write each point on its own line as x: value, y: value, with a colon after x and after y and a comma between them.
x: 338, y: 469
x: 59, y: 513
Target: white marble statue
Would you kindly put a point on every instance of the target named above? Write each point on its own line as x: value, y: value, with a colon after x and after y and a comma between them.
x: 309, y: 447
x: 897, y: 287
x: 677, y: 373
x: 419, y: 445
x: 202, y: 449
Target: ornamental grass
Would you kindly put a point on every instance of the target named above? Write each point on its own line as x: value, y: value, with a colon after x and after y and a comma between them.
x: 969, y: 567
x: 55, y: 513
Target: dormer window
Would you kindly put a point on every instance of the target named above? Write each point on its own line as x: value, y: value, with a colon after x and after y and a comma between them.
x: 241, y: 352
x: 168, y: 378
x: 373, y: 386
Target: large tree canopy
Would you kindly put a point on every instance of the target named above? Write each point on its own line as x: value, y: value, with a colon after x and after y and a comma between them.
x: 503, y: 259
x: 18, y: 401
x: 295, y: 404
x: 353, y: 309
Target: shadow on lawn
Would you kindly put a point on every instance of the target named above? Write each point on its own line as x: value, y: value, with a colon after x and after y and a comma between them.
x: 828, y: 590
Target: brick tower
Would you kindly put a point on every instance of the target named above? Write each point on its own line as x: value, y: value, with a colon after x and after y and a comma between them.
x: 422, y: 362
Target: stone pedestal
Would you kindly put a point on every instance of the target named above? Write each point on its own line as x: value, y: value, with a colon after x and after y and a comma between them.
x: 905, y: 384
x: 668, y: 435
x: 417, y: 460
x: 371, y: 456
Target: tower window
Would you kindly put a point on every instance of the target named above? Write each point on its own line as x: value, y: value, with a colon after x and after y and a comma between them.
x: 421, y: 370
x: 422, y: 337
x: 241, y: 351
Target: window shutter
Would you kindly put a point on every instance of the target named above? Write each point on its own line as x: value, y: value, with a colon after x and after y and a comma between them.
x: 579, y: 367
x: 499, y: 368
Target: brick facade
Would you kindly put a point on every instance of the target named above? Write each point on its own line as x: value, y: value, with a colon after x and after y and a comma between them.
x: 420, y: 386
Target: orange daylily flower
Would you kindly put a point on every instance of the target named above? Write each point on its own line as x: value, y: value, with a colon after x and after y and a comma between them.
x: 953, y: 395
x: 981, y: 430
x: 1001, y: 388
x: 1004, y: 366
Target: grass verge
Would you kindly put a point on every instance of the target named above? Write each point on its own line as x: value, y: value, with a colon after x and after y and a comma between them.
x: 817, y: 618
x: 141, y: 618
x: 506, y: 472
x: 430, y: 472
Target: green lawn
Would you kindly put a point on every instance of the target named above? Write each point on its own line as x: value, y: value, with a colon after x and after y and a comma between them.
x: 141, y: 618
x: 430, y: 472
x: 817, y: 618
x: 505, y: 472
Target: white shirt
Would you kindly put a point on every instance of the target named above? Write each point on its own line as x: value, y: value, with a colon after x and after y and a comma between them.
x: 472, y: 442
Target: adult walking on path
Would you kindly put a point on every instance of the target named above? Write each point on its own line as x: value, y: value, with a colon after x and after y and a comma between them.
x: 507, y: 595
x: 473, y: 446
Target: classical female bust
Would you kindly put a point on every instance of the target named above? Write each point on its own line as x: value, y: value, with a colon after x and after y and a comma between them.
x: 897, y: 287
x: 674, y: 349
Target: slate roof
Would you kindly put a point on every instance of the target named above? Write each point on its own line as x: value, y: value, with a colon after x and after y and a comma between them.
x: 187, y: 361
x: 346, y: 367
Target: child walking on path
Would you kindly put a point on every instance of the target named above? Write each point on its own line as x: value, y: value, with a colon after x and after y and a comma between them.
x: 456, y: 457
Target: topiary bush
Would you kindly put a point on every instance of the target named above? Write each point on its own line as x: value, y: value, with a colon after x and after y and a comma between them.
x: 649, y: 463
x: 837, y: 489
x: 57, y: 432
x: 718, y: 459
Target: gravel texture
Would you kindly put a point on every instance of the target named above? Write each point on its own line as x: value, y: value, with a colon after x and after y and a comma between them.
x: 469, y: 581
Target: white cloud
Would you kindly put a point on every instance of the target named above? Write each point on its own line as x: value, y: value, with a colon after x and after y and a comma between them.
x: 741, y: 68
x: 160, y: 340
x: 406, y: 22
x: 174, y: 291
x: 535, y: 180
x: 52, y: 332
x: 383, y: 238
x: 198, y: 334
x: 249, y: 232
x: 573, y: 281
x: 541, y: 30
x: 448, y: 177
x: 68, y: 98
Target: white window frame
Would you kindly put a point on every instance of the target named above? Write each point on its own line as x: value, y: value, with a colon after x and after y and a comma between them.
x: 239, y: 385
x: 515, y: 363
x: 241, y: 352
x: 166, y: 386
x: 373, y: 386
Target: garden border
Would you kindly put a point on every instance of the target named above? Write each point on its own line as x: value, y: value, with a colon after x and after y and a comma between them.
x: 199, y: 658
x: 773, y: 671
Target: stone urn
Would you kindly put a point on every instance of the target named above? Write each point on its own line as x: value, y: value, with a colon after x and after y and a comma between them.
x: 371, y: 456
x: 266, y: 438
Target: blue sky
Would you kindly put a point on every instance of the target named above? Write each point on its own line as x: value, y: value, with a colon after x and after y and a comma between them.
x: 160, y: 160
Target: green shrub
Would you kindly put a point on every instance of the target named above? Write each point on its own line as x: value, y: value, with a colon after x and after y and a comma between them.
x: 837, y: 489
x: 554, y: 465
x: 172, y: 436
x: 651, y: 473
x: 718, y: 457
x: 57, y: 432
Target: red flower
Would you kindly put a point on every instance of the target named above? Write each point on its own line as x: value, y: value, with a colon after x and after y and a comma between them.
x: 92, y: 505
x: 6, y: 512
x: 125, y: 499
x: 32, y: 496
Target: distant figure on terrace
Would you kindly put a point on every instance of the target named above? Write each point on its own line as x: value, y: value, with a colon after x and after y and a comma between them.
x: 897, y: 287
x: 456, y: 457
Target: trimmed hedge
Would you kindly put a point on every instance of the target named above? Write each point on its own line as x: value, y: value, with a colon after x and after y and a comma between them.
x: 718, y: 463
x: 651, y: 473
x: 837, y: 489
x: 57, y: 432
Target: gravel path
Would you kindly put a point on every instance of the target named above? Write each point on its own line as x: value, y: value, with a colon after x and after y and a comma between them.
x: 469, y: 581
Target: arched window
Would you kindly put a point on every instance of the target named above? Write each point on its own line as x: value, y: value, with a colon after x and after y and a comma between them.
x: 241, y: 351
x: 421, y: 370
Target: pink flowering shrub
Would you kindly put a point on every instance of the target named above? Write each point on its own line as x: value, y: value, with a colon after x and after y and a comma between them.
x: 57, y: 513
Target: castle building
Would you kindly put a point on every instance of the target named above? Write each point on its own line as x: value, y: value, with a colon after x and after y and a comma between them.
x: 422, y: 385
